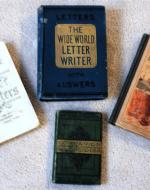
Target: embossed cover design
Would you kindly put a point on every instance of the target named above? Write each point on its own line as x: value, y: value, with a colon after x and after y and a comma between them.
x: 77, y: 152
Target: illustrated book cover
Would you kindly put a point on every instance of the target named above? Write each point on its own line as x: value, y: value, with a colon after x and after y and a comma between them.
x: 132, y: 111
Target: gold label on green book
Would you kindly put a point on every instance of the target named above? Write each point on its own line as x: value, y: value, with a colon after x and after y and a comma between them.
x: 78, y: 147
x: 75, y: 46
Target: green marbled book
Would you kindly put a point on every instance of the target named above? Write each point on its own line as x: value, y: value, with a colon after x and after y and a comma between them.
x: 77, y: 149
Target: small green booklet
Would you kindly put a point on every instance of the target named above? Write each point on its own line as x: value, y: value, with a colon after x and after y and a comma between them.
x: 77, y: 151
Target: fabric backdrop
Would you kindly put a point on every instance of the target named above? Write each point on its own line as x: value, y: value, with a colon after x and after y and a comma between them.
x: 26, y: 162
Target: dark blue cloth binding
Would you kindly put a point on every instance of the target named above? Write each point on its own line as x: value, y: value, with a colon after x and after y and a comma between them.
x: 77, y: 83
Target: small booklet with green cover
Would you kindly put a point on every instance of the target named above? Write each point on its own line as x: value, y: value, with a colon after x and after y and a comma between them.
x: 77, y: 151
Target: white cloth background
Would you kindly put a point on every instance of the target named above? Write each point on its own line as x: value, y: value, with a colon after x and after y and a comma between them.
x: 26, y: 162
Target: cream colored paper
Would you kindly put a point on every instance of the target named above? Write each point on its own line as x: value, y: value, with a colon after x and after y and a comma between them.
x: 17, y: 115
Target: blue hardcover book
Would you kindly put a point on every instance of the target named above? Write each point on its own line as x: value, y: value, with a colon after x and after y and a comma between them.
x: 72, y: 53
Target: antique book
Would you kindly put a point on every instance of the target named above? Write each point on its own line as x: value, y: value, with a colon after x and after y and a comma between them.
x: 132, y: 111
x: 17, y: 115
x: 77, y: 149
x: 72, y: 61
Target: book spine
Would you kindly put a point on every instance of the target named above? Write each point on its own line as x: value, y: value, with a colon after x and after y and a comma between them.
x: 105, y: 53
x: 54, y: 154
x: 129, y: 79
x: 40, y: 50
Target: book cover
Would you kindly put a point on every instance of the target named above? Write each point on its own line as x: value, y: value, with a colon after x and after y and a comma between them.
x: 17, y: 115
x: 132, y: 111
x: 78, y: 148
x: 72, y: 60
